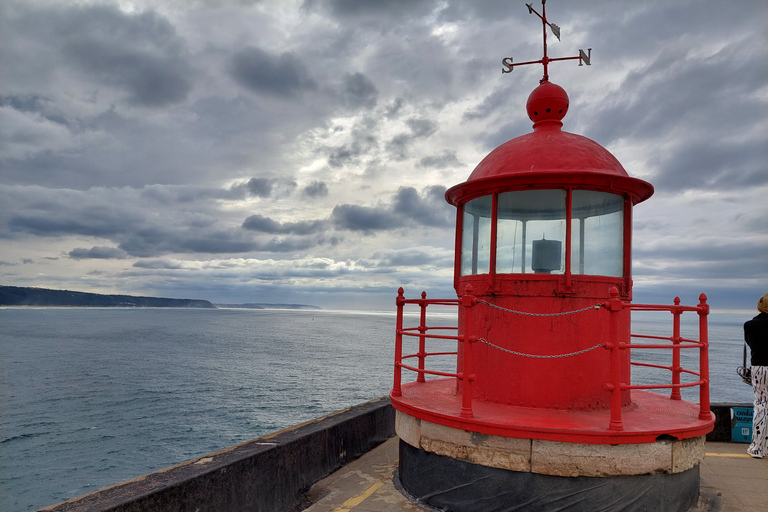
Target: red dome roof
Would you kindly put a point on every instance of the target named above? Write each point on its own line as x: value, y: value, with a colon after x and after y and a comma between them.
x: 549, y: 158
x: 548, y: 149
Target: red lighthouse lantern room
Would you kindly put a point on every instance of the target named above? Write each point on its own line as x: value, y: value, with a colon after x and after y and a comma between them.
x: 540, y: 411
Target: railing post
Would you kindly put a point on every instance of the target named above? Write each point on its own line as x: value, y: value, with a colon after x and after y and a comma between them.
x: 703, y: 311
x: 399, y: 302
x: 614, y: 306
x: 675, y: 395
x: 422, y: 330
x: 468, y: 301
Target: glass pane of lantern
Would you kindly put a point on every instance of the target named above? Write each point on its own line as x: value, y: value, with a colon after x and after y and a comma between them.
x: 597, y: 230
x: 530, y: 232
x: 476, y: 237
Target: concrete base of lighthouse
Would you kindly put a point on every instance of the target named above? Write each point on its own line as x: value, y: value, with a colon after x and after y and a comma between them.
x: 460, y: 471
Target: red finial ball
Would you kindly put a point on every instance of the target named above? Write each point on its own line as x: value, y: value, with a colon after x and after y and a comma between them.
x: 547, y: 102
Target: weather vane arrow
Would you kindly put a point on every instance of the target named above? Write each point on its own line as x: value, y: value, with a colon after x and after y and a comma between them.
x: 583, y: 57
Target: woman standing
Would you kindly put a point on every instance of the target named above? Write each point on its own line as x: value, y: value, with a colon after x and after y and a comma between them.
x: 756, y: 336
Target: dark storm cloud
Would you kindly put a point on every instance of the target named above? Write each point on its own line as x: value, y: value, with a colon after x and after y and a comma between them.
x: 363, y: 141
x: 35, y: 104
x: 358, y: 91
x: 108, y: 213
x: 153, y: 241
x: 165, y: 194
x: 670, y: 92
x: 408, y: 208
x: 622, y: 33
x: 394, y: 108
x: 695, y: 106
x: 340, y: 156
x: 487, y: 10
x: 90, y: 221
x: 266, y: 225
x: 271, y: 187
x: 492, y: 103
x: 720, y: 295
x: 700, y: 164
x: 139, y: 54
x: 421, y: 128
x: 24, y: 102
x: 125, y: 217
x: 447, y: 159
x: 412, y: 257
x: 97, y: 253
x: 113, y: 147
x: 373, y: 10
x: 364, y: 218
x: 260, y: 187
x: 101, y: 213
x: 158, y: 264
x: 349, y: 154
x: 491, y: 140
x: 428, y: 208
x: 708, y: 256
x: 283, y: 75
x: 150, y: 241
x: 400, y: 145
x: 315, y: 189
x: 214, y: 242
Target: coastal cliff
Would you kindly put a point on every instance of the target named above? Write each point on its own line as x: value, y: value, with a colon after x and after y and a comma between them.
x: 22, y: 296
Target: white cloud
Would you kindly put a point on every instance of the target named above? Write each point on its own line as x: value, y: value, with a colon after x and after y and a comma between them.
x: 133, y: 157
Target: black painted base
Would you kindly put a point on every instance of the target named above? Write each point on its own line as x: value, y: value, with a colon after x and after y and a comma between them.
x: 454, y: 485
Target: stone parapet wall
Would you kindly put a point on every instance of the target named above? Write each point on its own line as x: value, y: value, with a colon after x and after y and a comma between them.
x: 268, y: 474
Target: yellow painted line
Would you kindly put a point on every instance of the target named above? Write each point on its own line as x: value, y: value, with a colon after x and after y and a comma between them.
x: 736, y: 455
x: 353, y: 502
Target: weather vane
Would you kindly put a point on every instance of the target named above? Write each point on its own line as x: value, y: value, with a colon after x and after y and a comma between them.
x: 584, y: 58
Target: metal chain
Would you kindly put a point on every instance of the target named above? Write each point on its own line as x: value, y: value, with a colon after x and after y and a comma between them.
x: 596, y: 306
x: 483, y: 340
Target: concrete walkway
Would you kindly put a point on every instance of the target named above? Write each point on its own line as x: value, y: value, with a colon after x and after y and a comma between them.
x: 740, y: 480
x: 732, y: 481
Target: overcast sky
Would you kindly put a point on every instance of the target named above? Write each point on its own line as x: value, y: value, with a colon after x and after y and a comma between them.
x: 298, y: 151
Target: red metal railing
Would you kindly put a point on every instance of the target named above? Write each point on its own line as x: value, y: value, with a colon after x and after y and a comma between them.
x: 617, y: 384
x: 421, y: 332
x: 618, y: 381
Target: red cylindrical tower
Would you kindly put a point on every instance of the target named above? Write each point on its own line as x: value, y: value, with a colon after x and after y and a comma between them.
x: 544, y: 231
x: 541, y: 397
x: 544, y: 285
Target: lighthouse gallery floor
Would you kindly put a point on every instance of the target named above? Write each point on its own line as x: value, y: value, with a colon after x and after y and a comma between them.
x: 437, y: 401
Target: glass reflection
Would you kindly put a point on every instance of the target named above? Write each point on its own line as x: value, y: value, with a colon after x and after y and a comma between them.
x: 531, y: 224
x: 476, y: 237
x: 598, y: 232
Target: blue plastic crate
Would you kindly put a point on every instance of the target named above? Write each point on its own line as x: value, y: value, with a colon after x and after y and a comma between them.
x: 741, y: 424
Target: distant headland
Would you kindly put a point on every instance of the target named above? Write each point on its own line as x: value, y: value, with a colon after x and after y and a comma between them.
x: 43, y: 297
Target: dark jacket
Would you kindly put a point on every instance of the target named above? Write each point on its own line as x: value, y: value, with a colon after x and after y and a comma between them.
x: 756, y: 336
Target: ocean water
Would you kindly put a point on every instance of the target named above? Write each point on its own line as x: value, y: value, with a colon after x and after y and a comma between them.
x: 92, y: 397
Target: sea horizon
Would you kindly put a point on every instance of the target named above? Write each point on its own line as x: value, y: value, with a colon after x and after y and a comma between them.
x: 96, y: 396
